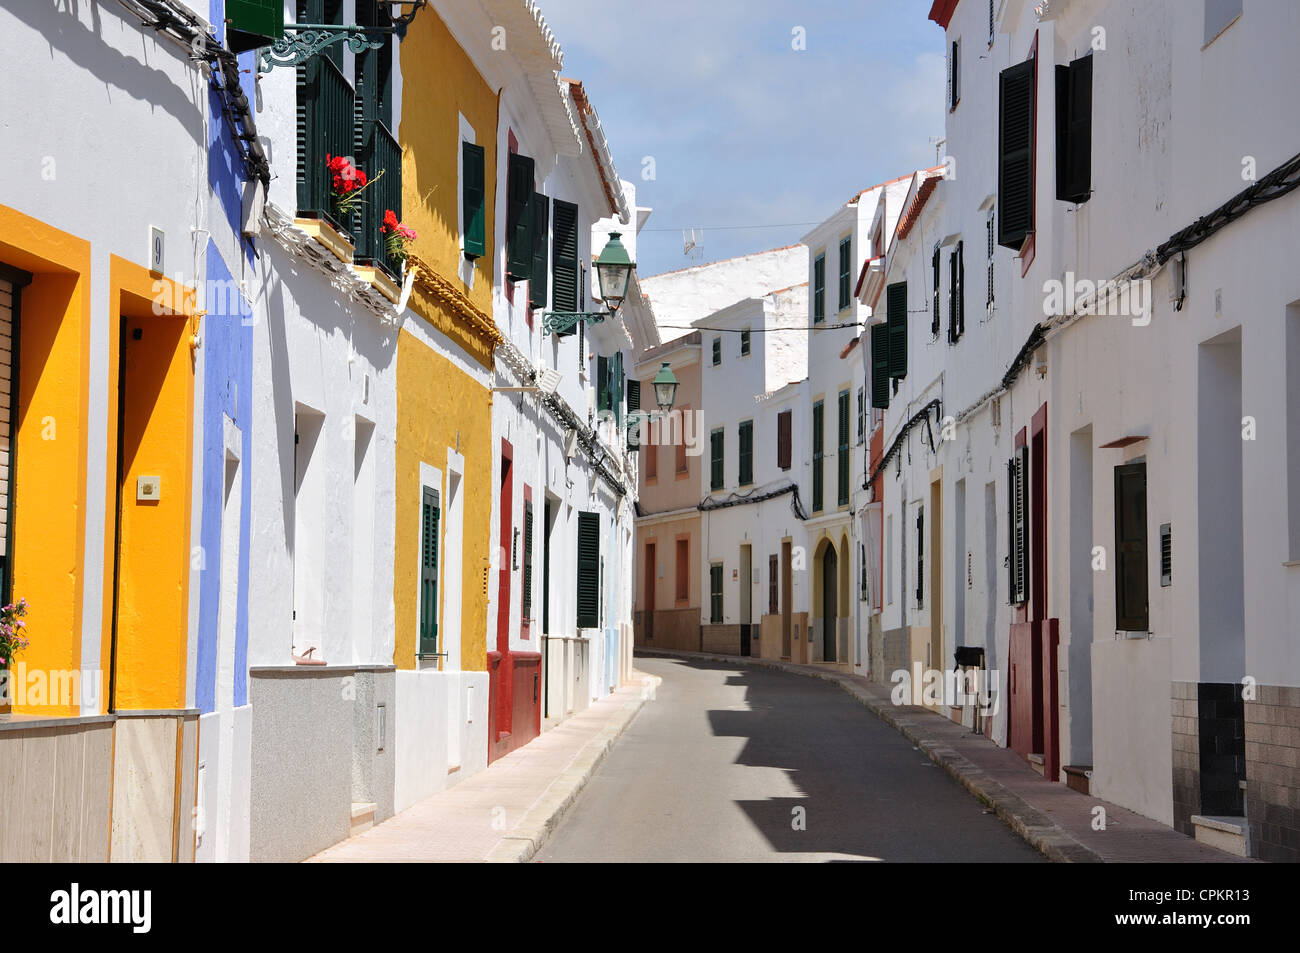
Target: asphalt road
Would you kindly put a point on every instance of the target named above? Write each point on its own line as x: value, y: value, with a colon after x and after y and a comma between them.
x: 740, y: 763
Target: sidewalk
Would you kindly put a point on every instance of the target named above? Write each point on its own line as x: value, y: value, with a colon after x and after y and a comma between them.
x: 506, y: 811
x: 1051, y: 816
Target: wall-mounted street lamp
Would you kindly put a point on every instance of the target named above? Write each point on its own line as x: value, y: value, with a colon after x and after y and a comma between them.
x: 613, y: 273
x: 665, y: 385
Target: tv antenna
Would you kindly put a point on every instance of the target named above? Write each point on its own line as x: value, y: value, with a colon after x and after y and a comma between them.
x: 691, y: 242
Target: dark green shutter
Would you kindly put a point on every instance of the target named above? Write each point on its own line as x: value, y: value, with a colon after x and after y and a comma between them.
x: 519, y: 219
x: 717, y: 351
x: 819, y: 289
x: 746, y: 453
x: 253, y: 23
x: 842, y: 461
x: 896, y: 318
x: 846, y: 270
x: 528, y: 560
x: 1016, y: 154
x: 617, y: 384
x: 880, y: 366
x: 716, y: 460
x: 961, y: 290
x: 564, y: 263
x: 473, y: 163
x: 588, y: 570
x: 429, y: 574
x: 1074, y: 131
x: 1131, y: 613
x: 952, y: 297
x: 920, y: 558
x: 818, y: 437
x: 537, y: 285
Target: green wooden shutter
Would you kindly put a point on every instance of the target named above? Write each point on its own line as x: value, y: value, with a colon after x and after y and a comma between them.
x: 528, y: 560
x: 473, y: 163
x: 253, y: 23
x: 819, y: 289
x: 818, y: 463
x: 1016, y: 154
x: 842, y: 460
x: 952, y: 297
x: 633, y: 405
x: 920, y: 557
x: 588, y: 570
x: 633, y: 395
x: 846, y: 267
x: 537, y: 285
x: 961, y: 290
x: 716, y: 460
x: 617, y: 383
x: 564, y: 259
x: 896, y: 318
x: 519, y: 219
x: 880, y: 366
x: 746, y: 453
x: 1131, y: 609
x: 429, y: 573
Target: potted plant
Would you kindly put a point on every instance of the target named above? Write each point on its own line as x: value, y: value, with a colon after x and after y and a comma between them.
x: 13, y: 639
x: 396, y: 236
x: 347, y: 183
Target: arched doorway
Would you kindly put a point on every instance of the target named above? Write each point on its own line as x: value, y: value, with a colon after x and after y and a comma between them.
x: 830, y: 602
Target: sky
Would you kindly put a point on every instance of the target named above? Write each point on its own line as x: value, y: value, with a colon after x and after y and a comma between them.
x: 739, y: 128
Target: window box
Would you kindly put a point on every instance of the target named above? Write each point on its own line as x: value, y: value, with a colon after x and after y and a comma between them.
x: 381, y: 281
x: 336, y: 241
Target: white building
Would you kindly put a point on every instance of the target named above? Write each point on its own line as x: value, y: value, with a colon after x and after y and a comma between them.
x: 1023, y: 437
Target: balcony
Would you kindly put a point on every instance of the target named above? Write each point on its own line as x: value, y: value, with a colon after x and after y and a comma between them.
x: 874, y: 281
x: 379, y: 152
x: 325, y: 111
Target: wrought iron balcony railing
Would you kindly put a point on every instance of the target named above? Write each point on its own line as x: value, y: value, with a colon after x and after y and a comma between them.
x: 378, y: 152
x: 325, y: 123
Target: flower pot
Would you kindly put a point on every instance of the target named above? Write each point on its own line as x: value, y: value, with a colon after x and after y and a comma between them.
x: 380, y: 280
x: 338, y: 243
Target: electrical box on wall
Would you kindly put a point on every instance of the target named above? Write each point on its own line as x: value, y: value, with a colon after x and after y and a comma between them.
x: 148, y: 489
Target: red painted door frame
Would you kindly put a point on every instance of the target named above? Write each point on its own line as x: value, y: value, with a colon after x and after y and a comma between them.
x: 503, y: 696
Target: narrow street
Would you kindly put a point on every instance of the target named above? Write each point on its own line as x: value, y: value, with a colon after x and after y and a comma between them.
x: 716, y: 767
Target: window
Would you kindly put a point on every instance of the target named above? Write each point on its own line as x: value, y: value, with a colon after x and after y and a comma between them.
x: 1018, y: 526
x: 1131, y: 548
x: 783, y: 424
x: 1292, y: 396
x: 817, y: 462
x: 863, y: 589
x: 1219, y: 15
x: 682, y: 464
x: 520, y: 214
x: 992, y: 20
x: 744, y: 343
x: 537, y: 284
x: 862, y: 415
x: 634, y: 405
x: 430, y: 517
x: 1017, y: 107
x: 920, y: 557
x: 715, y: 594
x: 896, y: 319
x: 602, y: 383
x: 819, y: 289
x: 716, y: 461
x: 1074, y: 131
x: 527, y: 609
x: 746, y: 453
x: 842, y: 449
x: 954, y: 74
x: 880, y: 366
x: 773, y: 568
x: 12, y: 283
x: 956, y: 294
x: 846, y: 272
x: 1166, y: 555
x: 934, y: 297
x: 589, y: 570
x: 990, y: 243
x: 471, y: 187
x: 889, y: 560
x: 682, y: 580
x: 717, y: 351
x: 651, y: 461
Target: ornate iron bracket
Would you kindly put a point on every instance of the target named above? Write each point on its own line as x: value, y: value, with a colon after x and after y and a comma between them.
x: 557, y: 322
x: 302, y: 41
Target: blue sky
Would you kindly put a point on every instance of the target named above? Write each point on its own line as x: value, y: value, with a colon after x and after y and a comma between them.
x: 743, y: 129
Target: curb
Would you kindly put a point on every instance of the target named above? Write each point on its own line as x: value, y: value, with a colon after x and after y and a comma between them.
x: 528, y: 836
x: 1040, y: 831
